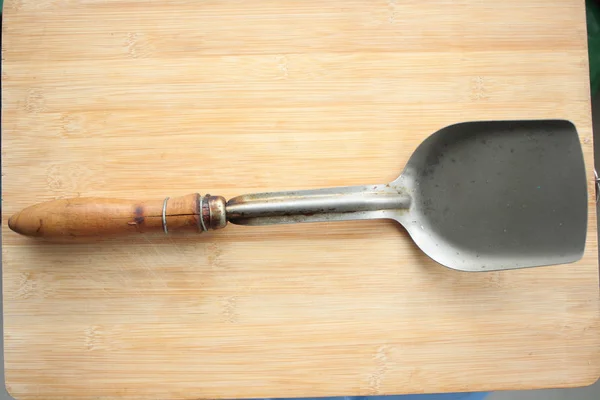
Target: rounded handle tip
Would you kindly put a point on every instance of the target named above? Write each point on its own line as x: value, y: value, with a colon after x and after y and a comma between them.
x: 13, y: 223
x: 27, y: 222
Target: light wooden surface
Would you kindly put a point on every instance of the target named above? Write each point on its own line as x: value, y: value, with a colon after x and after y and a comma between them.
x: 139, y: 99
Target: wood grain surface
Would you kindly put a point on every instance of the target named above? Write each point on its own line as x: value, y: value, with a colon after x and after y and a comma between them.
x: 140, y: 99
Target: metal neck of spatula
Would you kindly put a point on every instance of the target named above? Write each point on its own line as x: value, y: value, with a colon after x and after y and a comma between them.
x: 333, y: 204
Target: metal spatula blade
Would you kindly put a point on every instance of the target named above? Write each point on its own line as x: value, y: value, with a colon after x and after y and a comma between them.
x: 498, y: 195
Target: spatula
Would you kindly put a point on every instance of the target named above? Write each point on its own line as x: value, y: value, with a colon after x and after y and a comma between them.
x: 474, y: 196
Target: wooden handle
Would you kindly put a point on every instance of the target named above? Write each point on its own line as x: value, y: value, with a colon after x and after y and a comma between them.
x: 85, y: 217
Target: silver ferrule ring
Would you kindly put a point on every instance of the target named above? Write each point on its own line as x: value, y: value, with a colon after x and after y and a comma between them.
x: 164, y: 216
x: 201, y: 215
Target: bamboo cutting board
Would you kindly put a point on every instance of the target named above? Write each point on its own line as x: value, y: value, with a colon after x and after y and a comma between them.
x: 138, y: 99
